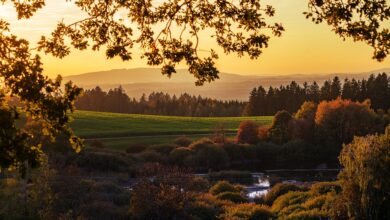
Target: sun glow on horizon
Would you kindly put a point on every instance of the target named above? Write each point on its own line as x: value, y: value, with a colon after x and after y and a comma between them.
x: 304, y: 48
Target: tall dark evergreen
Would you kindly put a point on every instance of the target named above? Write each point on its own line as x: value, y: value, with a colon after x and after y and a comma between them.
x: 290, y: 97
x: 157, y: 103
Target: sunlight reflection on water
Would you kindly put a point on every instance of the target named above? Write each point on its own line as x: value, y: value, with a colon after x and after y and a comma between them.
x: 260, y: 188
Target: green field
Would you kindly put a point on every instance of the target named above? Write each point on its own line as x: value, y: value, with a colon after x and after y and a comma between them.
x: 121, y: 129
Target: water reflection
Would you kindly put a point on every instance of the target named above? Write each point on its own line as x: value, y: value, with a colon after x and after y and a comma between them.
x: 260, y: 187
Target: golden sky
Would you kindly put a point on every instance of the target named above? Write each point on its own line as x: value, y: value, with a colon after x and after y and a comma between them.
x: 304, y: 48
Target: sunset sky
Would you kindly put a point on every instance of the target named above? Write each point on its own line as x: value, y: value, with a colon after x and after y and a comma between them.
x: 304, y: 48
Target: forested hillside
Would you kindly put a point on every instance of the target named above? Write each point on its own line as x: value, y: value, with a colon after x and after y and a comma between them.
x: 262, y: 102
x: 290, y: 97
x: 157, y: 103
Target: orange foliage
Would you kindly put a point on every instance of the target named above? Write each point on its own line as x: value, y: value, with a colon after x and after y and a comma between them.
x: 247, y: 132
x: 342, y: 119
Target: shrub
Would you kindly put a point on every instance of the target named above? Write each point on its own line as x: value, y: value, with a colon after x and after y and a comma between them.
x: 247, y: 132
x: 288, y: 199
x: 198, y: 184
x: 207, y: 207
x: 223, y: 186
x: 234, y: 151
x: 202, y: 210
x: 232, y: 196
x: 159, y: 201
x: 135, y: 148
x: 248, y: 211
x: 325, y: 187
x: 200, y: 144
x: 307, y: 215
x: 151, y: 157
x: 164, y: 149
x: 281, y: 189
x: 102, y: 161
x: 263, y: 133
x: 208, y: 156
x: 178, y: 155
x: 183, y: 141
x: 318, y: 202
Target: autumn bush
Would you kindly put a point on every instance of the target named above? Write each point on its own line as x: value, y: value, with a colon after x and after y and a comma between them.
x: 232, y: 196
x: 281, y: 189
x: 288, y: 199
x: 103, y: 161
x: 163, y: 149
x: 150, y: 156
x: 263, y: 133
x: 325, y: 187
x: 183, y: 141
x: 207, y: 155
x: 247, y: 132
x: 224, y: 186
x: 234, y: 150
x: 178, y: 155
x: 248, y: 211
x: 208, y: 207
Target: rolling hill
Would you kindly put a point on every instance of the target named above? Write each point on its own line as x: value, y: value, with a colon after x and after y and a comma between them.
x: 118, y: 131
x: 228, y: 87
x: 88, y: 124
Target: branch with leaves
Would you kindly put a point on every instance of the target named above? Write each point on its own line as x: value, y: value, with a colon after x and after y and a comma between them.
x: 239, y: 27
x: 362, y: 20
x: 44, y: 100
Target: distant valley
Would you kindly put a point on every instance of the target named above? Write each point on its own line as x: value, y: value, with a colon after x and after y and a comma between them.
x: 229, y: 87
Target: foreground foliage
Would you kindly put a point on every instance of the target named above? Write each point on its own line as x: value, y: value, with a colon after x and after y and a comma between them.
x: 365, y: 177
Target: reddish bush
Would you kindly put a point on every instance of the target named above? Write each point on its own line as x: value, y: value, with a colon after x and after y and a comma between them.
x: 247, y: 132
x: 263, y: 133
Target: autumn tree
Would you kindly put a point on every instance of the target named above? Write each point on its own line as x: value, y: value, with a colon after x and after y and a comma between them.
x: 340, y: 120
x: 303, y: 126
x: 365, y: 177
x: 279, y: 131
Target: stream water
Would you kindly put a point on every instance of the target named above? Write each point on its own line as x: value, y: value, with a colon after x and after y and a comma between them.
x: 260, y: 187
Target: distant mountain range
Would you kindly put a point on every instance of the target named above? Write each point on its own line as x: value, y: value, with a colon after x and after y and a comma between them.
x: 228, y: 87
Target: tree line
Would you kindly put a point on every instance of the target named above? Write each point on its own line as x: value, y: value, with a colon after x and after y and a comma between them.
x: 157, y: 103
x: 291, y: 97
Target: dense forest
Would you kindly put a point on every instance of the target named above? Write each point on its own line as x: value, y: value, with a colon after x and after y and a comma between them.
x: 157, y: 103
x: 261, y: 101
x: 290, y: 97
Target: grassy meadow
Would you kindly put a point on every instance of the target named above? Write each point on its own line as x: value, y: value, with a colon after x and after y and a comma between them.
x: 118, y: 130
